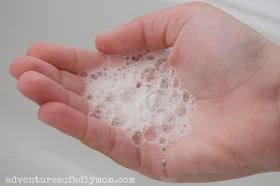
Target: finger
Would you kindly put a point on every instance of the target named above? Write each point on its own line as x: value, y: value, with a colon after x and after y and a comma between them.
x: 92, y: 132
x: 70, y: 59
x: 155, y: 31
x: 70, y: 81
x: 42, y: 89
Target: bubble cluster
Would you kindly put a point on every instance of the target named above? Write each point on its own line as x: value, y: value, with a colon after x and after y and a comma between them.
x: 142, y: 96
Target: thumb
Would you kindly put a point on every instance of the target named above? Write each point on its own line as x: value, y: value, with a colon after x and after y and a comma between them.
x: 155, y: 31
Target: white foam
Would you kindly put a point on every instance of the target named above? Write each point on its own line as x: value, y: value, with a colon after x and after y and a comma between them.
x: 141, y: 96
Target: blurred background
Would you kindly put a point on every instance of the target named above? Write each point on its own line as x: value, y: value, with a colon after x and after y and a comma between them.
x: 29, y: 148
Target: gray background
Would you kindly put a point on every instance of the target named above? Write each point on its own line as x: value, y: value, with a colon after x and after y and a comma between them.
x: 30, y: 148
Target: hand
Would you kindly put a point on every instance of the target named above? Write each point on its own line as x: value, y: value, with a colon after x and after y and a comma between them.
x: 230, y: 69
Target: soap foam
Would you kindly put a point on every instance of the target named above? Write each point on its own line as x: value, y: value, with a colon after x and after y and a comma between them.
x: 142, y: 96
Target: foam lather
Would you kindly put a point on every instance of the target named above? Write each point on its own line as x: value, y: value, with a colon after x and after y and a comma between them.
x: 142, y: 96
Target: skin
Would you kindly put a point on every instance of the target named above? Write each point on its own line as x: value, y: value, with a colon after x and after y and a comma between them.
x: 231, y: 69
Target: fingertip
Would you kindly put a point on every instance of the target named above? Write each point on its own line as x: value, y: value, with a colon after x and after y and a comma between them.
x: 121, y: 40
x: 106, y: 42
x: 16, y: 66
x: 25, y: 63
x: 47, y: 111
x: 12, y: 69
x: 63, y: 118
x: 36, y: 49
x: 99, y: 43
x: 50, y: 112
x: 28, y: 80
x: 40, y: 89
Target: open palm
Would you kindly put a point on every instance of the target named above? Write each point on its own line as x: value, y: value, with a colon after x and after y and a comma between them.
x: 226, y: 65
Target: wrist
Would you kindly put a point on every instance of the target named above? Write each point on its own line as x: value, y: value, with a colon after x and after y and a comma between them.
x: 275, y: 54
x: 270, y: 88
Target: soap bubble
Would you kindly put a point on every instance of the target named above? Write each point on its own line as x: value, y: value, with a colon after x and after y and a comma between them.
x: 157, y: 101
x: 168, y: 122
x: 185, y: 96
x: 127, y: 94
x: 162, y: 82
x: 180, y: 109
x: 118, y: 121
x: 149, y: 74
x: 137, y: 138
